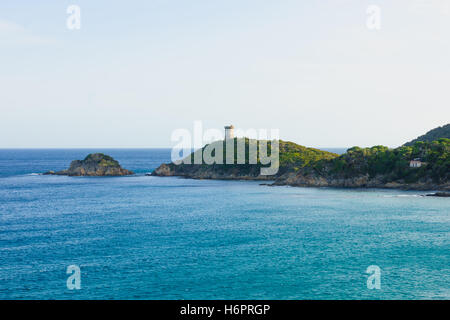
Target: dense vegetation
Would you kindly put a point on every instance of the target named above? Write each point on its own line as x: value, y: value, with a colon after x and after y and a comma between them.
x: 291, y: 156
x: 294, y: 156
x: 377, y: 166
x: 432, y: 135
x: 102, y: 160
x: 392, y: 164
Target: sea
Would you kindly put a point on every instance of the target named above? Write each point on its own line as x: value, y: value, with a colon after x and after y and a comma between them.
x: 145, y: 237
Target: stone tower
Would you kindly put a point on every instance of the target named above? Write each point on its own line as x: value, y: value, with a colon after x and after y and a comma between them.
x: 229, y: 132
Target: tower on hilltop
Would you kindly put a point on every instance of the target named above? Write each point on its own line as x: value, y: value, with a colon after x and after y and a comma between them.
x: 229, y: 132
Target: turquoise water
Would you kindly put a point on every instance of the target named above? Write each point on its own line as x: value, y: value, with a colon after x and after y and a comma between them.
x: 145, y: 237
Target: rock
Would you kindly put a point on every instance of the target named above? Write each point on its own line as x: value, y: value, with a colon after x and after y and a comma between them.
x: 218, y: 172
x: 96, y: 164
x: 164, y: 170
x: 439, y: 194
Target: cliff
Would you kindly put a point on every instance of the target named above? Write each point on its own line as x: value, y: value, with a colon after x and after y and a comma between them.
x: 96, y: 164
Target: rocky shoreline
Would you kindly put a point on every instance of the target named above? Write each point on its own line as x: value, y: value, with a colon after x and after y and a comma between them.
x: 362, y: 181
x: 439, y: 194
x: 293, y: 179
x: 207, y: 172
x: 374, y: 167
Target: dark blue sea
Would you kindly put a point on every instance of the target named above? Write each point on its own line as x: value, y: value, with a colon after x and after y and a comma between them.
x: 142, y: 237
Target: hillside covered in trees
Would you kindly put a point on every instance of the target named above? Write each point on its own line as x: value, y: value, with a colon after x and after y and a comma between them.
x: 292, y: 157
x: 378, y: 166
x: 432, y: 135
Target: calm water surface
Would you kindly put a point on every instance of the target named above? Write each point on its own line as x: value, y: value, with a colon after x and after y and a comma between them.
x: 144, y: 237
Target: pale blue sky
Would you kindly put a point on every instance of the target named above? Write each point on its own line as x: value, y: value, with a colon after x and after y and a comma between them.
x: 137, y: 70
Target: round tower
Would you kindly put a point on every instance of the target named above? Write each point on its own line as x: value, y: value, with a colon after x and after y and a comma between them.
x: 229, y: 132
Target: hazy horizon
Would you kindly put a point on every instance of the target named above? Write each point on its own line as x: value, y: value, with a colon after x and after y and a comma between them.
x: 135, y: 72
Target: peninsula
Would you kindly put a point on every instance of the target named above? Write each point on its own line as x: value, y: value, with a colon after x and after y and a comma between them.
x: 424, y: 165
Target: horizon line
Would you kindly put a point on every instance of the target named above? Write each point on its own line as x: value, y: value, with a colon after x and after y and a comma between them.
x: 36, y: 148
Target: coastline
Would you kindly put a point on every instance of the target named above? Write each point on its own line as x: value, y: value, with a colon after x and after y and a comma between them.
x: 422, y: 167
x: 288, y: 179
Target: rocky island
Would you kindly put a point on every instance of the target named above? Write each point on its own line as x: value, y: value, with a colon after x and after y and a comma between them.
x: 424, y: 165
x: 95, y: 164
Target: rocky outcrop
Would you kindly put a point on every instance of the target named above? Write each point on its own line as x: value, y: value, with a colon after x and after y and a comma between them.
x: 96, y: 164
x: 301, y: 178
x: 439, y: 194
x: 219, y: 172
x: 164, y: 170
x: 362, y: 181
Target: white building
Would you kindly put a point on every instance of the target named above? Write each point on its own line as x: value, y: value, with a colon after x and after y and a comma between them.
x: 229, y: 132
x: 416, y: 163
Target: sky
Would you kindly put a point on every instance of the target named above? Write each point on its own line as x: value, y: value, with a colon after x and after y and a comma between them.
x: 136, y: 71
